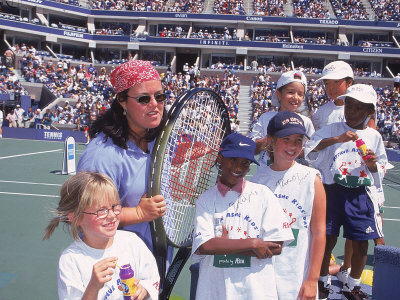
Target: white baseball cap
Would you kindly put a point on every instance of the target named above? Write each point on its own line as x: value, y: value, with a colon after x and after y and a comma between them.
x: 286, y: 78
x: 337, y: 70
x: 362, y: 92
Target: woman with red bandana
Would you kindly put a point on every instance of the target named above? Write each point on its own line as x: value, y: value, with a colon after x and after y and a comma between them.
x: 122, y: 140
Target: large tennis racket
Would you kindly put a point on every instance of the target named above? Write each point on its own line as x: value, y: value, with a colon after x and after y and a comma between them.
x: 181, y: 169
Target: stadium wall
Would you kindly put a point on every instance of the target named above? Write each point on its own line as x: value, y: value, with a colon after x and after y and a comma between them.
x: 43, y: 134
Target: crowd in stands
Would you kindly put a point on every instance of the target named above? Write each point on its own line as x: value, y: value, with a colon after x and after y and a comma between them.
x: 139, y: 5
x: 188, y: 6
x: 386, y: 10
x: 272, y: 38
x: 174, y: 31
x: 268, y: 8
x: 91, y: 92
x: 349, y: 10
x: 88, y: 92
x: 9, y: 82
x: 215, y: 34
x: 114, y: 29
x: 70, y: 2
x: 301, y: 40
x: 310, y: 9
x: 229, y: 7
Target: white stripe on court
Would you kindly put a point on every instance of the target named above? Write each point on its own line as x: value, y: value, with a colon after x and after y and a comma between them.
x: 24, y: 182
x: 32, y: 153
x: 391, y: 207
x: 35, y: 195
x: 397, y: 220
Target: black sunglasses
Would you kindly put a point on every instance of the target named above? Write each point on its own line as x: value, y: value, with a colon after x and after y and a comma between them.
x: 146, y: 98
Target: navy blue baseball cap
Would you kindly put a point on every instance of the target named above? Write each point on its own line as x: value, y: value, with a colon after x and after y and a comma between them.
x: 238, y: 145
x: 286, y: 123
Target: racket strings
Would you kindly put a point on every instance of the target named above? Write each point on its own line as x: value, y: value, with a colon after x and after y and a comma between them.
x: 189, y: 157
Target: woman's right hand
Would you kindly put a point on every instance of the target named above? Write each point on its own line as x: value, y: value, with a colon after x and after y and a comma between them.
x: 151, y: 208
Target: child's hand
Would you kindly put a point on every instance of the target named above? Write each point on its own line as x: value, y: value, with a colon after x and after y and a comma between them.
x: 308, y: 290
x: 371, y: 162
x: 265, y: 249
x: 224, y: 232
x: 347, y: 136
x: 141, y: 292
x: 102, y: 272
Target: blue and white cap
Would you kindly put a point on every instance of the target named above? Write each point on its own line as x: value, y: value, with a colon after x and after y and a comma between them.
x: 238, y: 145
x: 286, y: 123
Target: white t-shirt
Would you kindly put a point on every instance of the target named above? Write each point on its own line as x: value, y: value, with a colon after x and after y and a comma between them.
x: 1, y: 118
x: 260, y: 131
x: 253, y: 214
x: 327, y: 114
x: 294, y: 189
x: 340, y: 163
x: 77, y: 260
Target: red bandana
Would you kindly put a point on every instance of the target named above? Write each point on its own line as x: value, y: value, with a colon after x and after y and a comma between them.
x: 132, y: 73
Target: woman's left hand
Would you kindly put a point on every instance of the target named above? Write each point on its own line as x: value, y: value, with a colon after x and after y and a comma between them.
x: 151, y: 208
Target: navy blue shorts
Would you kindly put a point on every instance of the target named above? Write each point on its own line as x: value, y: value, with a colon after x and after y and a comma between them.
x: 353, y: 209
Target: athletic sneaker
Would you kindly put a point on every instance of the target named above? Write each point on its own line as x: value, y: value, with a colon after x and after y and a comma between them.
x: 343, y: 275
x: 323, y: 290
x: 355, y: 294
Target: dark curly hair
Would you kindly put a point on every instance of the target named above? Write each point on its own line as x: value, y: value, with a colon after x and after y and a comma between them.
x: 114, y: 124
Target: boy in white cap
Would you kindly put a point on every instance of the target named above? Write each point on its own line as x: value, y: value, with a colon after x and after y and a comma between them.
x: 290, y: 92
x: 337, y: 77
x: 351, y: 182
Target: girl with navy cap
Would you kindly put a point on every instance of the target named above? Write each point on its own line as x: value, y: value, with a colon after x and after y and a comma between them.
x: 300, y: 192
x: 239, y: 227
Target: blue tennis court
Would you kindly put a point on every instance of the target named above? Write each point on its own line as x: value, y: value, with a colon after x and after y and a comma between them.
x: 29, y: 188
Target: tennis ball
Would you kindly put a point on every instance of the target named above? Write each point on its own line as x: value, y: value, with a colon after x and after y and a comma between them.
x: 176, y: 297
x: 367, y: 277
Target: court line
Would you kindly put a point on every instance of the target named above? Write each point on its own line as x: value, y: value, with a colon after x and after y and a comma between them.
x: 391, y: 207
x: 24, y: 182
x: 35, y: 195
x: 397, y: 220
x: 32, y: 153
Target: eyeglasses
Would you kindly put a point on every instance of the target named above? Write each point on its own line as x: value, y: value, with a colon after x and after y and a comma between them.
x: 145, y: 99
x: 102, y: 213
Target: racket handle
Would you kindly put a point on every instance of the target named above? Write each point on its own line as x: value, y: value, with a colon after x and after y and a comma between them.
x: 173, y: 272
